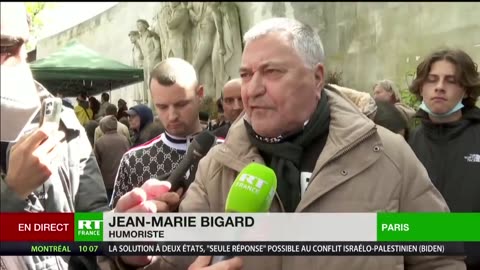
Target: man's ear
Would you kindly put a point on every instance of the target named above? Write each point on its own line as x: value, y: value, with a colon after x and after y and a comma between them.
x: 319, y: 73
x: 200, y: 91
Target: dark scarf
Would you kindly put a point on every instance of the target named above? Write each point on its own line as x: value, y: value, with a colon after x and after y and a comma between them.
x: 284, y: 154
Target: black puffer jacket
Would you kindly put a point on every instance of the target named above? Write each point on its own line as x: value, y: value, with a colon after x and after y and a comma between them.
x: 451, y: 154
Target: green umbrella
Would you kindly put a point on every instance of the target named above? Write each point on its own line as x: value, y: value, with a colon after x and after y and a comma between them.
x: 76, y: 68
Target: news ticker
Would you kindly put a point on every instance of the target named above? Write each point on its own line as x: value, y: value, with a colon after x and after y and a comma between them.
x: 99, y: 233
x: 231, y: 248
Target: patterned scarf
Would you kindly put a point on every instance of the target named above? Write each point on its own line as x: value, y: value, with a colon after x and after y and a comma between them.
x: 286, y: 153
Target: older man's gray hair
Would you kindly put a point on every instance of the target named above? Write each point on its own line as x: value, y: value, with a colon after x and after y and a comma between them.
x: 390, y: 87
x: 304, y: 39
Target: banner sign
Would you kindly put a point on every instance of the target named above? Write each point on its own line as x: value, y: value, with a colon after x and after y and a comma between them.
x: 231, y: 248
x: 238, y: 234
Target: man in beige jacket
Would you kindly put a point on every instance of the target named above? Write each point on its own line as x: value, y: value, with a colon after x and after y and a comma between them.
x: 327, y: 155
x: 111, y: 110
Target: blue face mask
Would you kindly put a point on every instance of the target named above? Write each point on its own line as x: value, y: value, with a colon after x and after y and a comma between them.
x: 455, y: 109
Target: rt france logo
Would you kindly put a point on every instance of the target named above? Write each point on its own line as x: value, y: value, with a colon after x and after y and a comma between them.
x: 89, y: 227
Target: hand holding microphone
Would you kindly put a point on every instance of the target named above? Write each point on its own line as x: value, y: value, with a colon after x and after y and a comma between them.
x: 251, y: 192
x: 155, y: 196
x: 152, y: 197
x: 199, y: 147
x: 161, y: 196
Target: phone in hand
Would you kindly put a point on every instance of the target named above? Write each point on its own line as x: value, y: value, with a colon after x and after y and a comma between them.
x: 51, y: 111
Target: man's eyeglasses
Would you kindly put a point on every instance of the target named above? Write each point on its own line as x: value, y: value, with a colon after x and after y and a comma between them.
x: 10, y: 45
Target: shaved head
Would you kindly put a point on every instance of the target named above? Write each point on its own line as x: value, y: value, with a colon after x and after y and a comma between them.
x: 176, y: 94
x: 232, y: 99
x: 233, y: 83
x: 175, y: 71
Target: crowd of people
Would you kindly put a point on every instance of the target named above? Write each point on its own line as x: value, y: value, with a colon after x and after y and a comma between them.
x: 332, y: 148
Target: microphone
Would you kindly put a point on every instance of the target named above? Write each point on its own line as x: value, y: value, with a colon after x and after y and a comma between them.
x: 199, y: 147
x: 251, y: 192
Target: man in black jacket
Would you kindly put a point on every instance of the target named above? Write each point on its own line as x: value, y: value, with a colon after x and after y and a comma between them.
x: 448, y: 140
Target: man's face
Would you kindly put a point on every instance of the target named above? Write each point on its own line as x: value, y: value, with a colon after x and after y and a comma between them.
x: 279, y: 91
x: 177, y: 107
x: 441, y: 90
x: 121, y: 104
x: 380, y: 94
x: 141, y: 27
x: 232, y: 101
x: 134, y: 121
x: 133, y: 38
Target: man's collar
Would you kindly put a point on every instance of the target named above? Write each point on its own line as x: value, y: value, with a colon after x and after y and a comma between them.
x: 175, y: 139
x: 175, y: 142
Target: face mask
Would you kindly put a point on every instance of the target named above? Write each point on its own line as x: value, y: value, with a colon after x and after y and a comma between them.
x: 20, y: 101
x: 455, y: 109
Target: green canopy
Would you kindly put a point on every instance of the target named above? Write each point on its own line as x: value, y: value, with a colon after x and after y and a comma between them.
x: 76, y: 68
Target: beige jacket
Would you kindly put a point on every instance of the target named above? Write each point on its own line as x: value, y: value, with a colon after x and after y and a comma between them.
x: 407, y: 112
x: 121, y: 129
x: 363, y: 168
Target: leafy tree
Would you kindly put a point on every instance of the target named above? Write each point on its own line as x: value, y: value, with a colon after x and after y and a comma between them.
x: 34, y: 10
x: 409, y: 99
x: 334, y: 77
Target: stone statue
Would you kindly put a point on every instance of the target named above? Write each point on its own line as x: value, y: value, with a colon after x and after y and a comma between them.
x: 232, y: 36
x: 137, y: 61
x: 217, y: 30
x: 137, y: 56
x: 208, y: 22
x: 149, y: 43
x: 178, y: 24
x: 174, y: 28
x: 160, y: 27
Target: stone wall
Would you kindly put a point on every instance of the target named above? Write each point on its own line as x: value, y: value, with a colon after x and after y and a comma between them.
x: 364, y: 41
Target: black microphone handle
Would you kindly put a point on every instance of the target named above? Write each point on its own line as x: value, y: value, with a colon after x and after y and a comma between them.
x: 197, y: 149
x: 163, y: 177
x: 217, y: 259
x: 176, y: 178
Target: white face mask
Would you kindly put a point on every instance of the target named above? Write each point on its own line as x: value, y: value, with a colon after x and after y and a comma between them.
x: 20, y: 101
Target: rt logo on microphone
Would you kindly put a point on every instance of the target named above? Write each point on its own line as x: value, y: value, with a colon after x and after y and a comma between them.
x: 250, y: 182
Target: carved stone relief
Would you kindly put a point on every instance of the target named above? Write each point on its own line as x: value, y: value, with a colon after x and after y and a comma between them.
x: 137, y: 62
x: 206, y: 34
